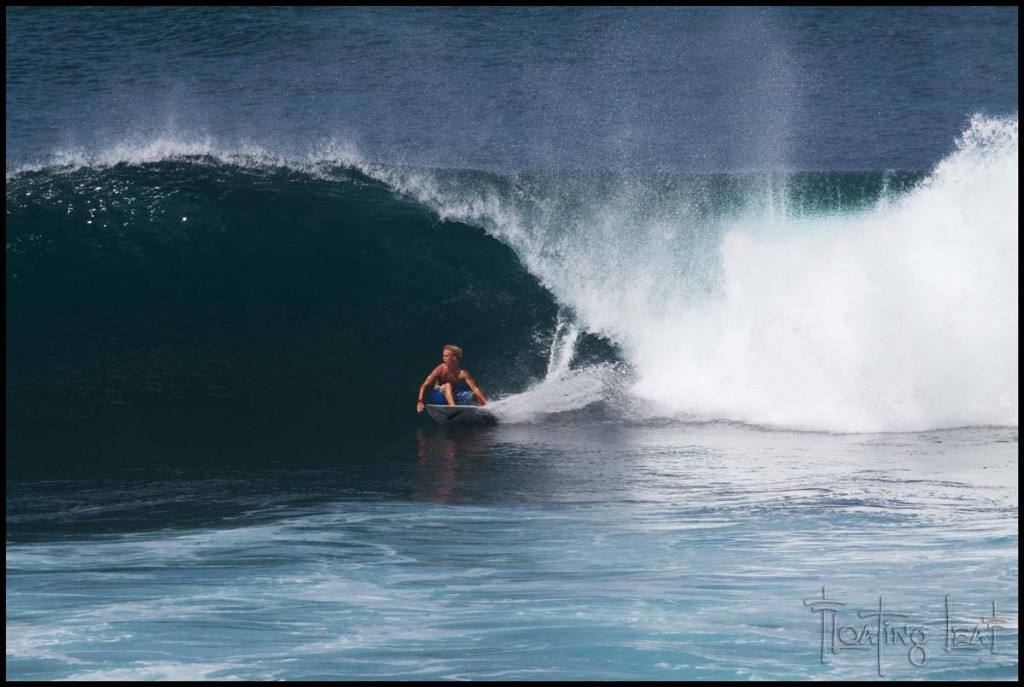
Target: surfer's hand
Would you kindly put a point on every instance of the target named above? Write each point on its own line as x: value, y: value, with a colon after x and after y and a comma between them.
x: 419, y: 406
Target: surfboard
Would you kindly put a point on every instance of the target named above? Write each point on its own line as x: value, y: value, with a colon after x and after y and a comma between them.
x: 445, y: 414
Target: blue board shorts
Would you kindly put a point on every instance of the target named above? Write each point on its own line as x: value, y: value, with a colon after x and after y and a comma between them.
x: 463, y: 396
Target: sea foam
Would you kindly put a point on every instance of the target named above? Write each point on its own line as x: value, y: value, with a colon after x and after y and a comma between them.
x: 900, y: 316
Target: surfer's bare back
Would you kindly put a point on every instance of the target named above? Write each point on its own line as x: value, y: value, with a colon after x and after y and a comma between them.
x: 452, y: 383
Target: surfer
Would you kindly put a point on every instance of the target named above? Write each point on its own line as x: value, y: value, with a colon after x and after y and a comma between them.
x: 452, y: 383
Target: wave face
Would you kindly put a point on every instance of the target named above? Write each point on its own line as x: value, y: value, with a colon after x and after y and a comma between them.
x: 153, y: 280
x: 186, y: 293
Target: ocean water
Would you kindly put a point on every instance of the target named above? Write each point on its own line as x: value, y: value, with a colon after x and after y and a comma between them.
x: 740, y: 283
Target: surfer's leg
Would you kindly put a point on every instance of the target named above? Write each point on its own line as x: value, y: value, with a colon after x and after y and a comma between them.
x: 446, y: 389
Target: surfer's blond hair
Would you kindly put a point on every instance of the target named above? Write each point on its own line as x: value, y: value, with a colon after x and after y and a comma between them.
x: 456, y: 351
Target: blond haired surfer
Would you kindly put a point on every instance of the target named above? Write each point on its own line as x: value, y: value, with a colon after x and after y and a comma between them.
x: 452, y: 383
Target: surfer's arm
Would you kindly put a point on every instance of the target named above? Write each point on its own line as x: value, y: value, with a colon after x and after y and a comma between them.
x: 423, y: 387
x: 468, y: 378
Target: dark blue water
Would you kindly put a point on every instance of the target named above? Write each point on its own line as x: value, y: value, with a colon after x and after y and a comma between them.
x: 697, y: 89
x: 740, y: 283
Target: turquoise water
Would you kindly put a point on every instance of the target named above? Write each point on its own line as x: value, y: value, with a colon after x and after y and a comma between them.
x: 551, y: 551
